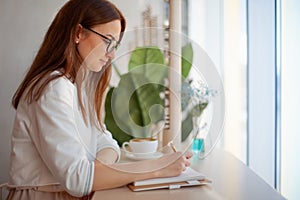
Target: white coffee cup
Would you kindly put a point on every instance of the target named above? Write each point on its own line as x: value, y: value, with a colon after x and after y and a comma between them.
x: 141, y: 145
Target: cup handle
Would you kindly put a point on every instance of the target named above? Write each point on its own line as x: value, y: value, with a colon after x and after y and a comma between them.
x: 124, y: 146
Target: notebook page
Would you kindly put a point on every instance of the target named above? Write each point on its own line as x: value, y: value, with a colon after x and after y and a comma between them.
x: 188, y: 174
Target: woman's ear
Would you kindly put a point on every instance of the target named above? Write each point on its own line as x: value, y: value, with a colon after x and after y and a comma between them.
x: 79, y: 33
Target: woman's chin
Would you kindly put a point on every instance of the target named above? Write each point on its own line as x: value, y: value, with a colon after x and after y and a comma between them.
x: 95, y: 68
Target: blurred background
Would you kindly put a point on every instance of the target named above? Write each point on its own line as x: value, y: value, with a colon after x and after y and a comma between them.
x: 254, y: 45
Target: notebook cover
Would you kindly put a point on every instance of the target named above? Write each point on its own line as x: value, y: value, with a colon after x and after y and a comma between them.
x: 174, y: 185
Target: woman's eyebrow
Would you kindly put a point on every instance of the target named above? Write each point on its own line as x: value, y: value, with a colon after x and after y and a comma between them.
x: 110, y: 35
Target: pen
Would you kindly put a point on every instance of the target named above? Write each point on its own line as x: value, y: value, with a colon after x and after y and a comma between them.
x: 172, y: 146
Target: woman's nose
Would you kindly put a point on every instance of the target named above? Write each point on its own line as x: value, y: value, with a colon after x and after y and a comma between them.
x: 111, y: 55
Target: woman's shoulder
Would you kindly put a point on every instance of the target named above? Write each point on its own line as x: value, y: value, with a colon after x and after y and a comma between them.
x: 60, y: 82
x: 60, y: 86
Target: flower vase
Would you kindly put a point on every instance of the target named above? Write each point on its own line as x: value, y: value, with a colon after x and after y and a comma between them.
x: 198, y: 139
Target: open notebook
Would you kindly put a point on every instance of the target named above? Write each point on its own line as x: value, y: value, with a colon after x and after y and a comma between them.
x: 189, y: 177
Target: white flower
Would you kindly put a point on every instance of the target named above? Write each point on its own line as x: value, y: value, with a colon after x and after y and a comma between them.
x: 195, y: 96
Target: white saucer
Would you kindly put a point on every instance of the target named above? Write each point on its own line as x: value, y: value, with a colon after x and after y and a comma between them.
x: 143, y: 156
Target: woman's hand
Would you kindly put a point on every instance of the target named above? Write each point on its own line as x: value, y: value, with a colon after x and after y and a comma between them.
x: 119, y: 174
x: 174, y: 164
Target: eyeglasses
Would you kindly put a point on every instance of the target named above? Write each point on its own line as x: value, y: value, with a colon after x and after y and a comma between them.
x: 112, y: 43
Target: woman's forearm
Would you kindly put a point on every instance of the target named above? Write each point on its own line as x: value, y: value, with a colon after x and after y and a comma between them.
x: 110, y: 176
x: 119, y: 174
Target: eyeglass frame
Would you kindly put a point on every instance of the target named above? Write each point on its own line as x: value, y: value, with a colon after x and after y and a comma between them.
x: 110, y: 41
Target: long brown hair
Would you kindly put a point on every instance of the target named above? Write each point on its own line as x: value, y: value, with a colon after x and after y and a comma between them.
x: 58, y: 51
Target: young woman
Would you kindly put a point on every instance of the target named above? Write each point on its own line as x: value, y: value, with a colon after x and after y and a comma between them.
x: 60, y: 146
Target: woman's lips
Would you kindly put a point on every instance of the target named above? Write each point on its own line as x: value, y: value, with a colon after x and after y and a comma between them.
x: 104, y: 61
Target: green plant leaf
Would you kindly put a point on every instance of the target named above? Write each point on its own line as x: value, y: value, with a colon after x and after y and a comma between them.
x: 148, y: 98
x: 187, y: 123
x: 126, y: 106
x: 186, y: 127
x: 110, y: 123
x: 198, y: 109
x: 150, y: 62
x: 186, y: 59
x: 135, y: 106
x: 116, y: 69
x: 146, y: 66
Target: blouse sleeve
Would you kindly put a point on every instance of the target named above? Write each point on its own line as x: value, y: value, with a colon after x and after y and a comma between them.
x: 105, y: 140
x: 54, y: 134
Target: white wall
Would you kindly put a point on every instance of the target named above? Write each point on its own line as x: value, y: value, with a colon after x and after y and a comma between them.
x: 290, y: 131
x: 261, y: 85
x: 23, y: 25
x: 205, y: 28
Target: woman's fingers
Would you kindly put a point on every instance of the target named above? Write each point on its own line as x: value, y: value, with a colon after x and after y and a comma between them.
x: 188, y: 154
x: 187, y: 163
x: 182, y: 159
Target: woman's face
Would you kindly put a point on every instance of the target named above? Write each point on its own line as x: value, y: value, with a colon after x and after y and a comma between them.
x: 92, y: 47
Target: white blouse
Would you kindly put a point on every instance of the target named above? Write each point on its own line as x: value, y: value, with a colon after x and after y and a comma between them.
x: 51, y: 144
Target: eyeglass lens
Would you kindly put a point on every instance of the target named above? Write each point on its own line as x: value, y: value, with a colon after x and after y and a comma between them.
x: 113, y: 45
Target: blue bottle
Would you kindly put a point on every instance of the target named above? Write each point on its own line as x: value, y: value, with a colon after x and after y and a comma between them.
x: 198, y: 145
